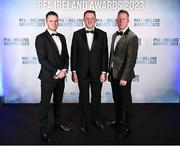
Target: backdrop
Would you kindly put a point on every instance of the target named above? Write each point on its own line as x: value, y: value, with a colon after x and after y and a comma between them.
x: 155, y: 22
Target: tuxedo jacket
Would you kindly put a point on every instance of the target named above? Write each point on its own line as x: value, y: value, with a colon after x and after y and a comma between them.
x: 85, y: 60
x: 49, y: 57
x: 124, y: 56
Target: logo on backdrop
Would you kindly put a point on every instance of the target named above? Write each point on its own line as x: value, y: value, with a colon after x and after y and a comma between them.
x: 146, y: 60
x: 72, y: 5
x: 165, y: 41
x: 16, y: 41
x: 29, y: 60
x: 151, y: 22
x: 31, y: 22
x: 72, y: 22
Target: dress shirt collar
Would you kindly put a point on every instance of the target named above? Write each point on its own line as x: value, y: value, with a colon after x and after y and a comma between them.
x: 125, y: 30
x: 51, y: 32
x: 86, y: 29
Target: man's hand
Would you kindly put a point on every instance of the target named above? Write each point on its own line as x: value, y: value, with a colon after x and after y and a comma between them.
x: 122, y: 83
x: 74, y: 77
x: 103, y: 77
x: 61, y: 74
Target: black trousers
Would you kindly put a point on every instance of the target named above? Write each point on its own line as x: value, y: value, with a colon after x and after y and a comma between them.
x: 49, y: 88
x: 95, y: 106
x: 122, y: 102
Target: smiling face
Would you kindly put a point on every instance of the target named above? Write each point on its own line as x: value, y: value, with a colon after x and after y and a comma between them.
x: 89, y: 20
x: 52, y: 22
x: 122, y: 21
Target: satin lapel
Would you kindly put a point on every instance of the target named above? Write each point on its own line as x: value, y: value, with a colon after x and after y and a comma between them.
x: 112, y: 48
x: 51, y: 40
x: 119, y: 42
x: 94, y: 39
x: 122, y: 38
x: 84, y: 38
x: 112, y: 44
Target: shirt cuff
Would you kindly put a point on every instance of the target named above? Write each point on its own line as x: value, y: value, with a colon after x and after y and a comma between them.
x: 58, y: 71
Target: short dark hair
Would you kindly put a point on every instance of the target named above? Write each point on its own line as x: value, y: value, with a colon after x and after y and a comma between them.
x: 51, y: 13
x: 89, y: 11
x: 123, y: 11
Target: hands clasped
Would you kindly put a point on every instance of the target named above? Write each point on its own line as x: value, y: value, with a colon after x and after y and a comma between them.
x: 61, y: 74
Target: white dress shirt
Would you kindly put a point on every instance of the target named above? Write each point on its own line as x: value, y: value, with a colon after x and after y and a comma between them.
x: 56, y: 40
x: 90, y: 37
x: 117, y: 40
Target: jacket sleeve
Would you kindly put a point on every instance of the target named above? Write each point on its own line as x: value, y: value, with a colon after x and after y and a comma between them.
x: 40, y: 45
x: 73, y: 53
x: 132, y: 50
x: 105, y: 54
x: 65, y: 54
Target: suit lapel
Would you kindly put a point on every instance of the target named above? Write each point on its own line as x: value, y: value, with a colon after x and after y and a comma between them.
x: 112, y: 49
x: 112, y: 44
x: 120, y: 41
x: 94, y: 39
x: 122, y: 38
x: 84, y: 38
x: 51, y: 41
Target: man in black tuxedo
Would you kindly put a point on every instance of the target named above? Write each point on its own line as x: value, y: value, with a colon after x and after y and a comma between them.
x: 124, y: 48
x: 54, y: 59
x: 89, y: 61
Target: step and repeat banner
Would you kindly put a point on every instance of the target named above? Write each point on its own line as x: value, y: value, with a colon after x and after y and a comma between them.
x: 156, y: 22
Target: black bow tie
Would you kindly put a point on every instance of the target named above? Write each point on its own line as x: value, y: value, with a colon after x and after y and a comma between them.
x: 91, y: 31
x: 54, y: 34
x: 119, y: 33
